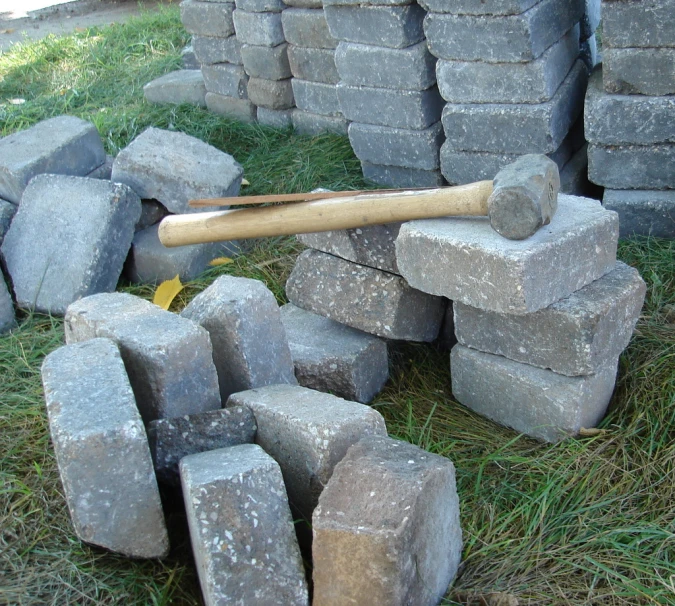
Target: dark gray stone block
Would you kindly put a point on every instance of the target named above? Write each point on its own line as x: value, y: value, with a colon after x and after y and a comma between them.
x: 307, y: 27
x: 226, y: 79
x: 268, y: 62
x: 261, y: 6
x: 367, y: 2
x: 574, y: 175
x: 638, y: 23
x: 313, y: 64
x: 188, y: 58
x: 307, y: 123
x: 591, y: 19
x: 478, y: 7
x: 151, y: 212
x: 639, y: 71
x: 400, y: 176
x: 210, y: 50
x: 261, y: 29
x: 643, y: 213
x: 104, y: 171
x: 632, y: 166
x: 182, y: 86
x: 272, y: 94
x: 237, y: 109
x: 207, y: 18
x: 276, y: 118
x: 7, y: 317
x: 7, y: 212
x: 588, y: 53
x: 304, y: 3
x: 316, y: 97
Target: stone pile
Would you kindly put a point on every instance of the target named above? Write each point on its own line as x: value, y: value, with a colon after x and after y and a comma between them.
x: 630, y: 116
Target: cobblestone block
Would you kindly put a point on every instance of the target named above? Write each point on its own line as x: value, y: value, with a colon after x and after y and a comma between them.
x: 588, y: 53
x: 210, y: 50
x: 400, y: 176
x: 632, y: 166
x: 261, y: 6
x: 574, y: 175
x: 260, y: 29
x: 316, y: 97
x: 226, y: 79
x: 307, y: 28
x: 307, y: 123
x: 188, y: 58
x: 268, y: 62
x: 643, y: 213
x: 474, y: 7
x: 272, y: 94
x: 182, y: 86
x: 591, y: 19
x: 276, y: 118
x: 237, y: 109
x: 638, y: 23
x: 7, y: 317
x: 313, y: 64
x: 151, y: 212
x: 304, y: 3
x: 639, y: 71
x: 7, y: 212
x: 207, y: 18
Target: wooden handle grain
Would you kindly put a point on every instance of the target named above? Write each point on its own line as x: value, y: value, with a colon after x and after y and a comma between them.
x: 325, y: 215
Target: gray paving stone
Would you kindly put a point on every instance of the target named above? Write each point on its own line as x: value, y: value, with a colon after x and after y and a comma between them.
x: 445, y: 256
x: 64, y: 145
x: 307, y: 27
x: 272, y: 94
x: 168, y: 358
x: 446, y: 338
x: 367, y: 2
x: 390, y: 26
x: 588, y: 53
x: 237, y: 109
x: 313, y: 64
x: 172, y: 439
x: 102, y: 450
x: 531, y: 400
x: 268, y: 62
x: 91, y: 224
x: 307, y: 123
x: 188, y: 58
x: 368, y: 299
x: 174, y: 168
x: 530, y: 82
x: 400, y: 176
x: 104, y: 171
x: 207, y: 18
x: 638, y: 23
x: 210, y: 50
x: 181, y: 86
x: 517, y: 128
x: 643, y: 213
x: 411, y: 68
x: 304, y: 3
x: 7, y: 212
x: 261, y: 29
x: 479, y: 7
x: 499, y: 39
x: 573, y: 336
x: 151, y: 212
x: 574, y: 175
x: 643, y: 71
x: 316, y: 97
x: 591, y: 19
x: 397, y: 146
x: 241, y: 528
x: 415, y: 110
x: 307, y: 432
x: 334, y: 358
x: 632, y: 166
x: 249, y: 340
x: 7, y: 317
x: 226, y: 79
x: 276, y: 118
x: 387, y: 527
x: 261, y: 6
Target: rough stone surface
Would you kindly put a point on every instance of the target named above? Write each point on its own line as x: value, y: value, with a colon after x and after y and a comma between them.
x: 642, y: 71
x: 104, y: 171
x: 643, y: 213
x: 250, y: 348
x: 632, y: 166
x: 91, y: 224
x: 367, y: 2
x: 237, y: 109
x: 517, y: 128
x: 512, y: 39
x: 304, y: 3
x: 7, y: 317
x: 207, y: 18
x: 188, y: 58
x: 168, y: 358
x: 210, y: 50
x: 102, y: 451
x: 64, y: 145
x: 573, y: 336
x: 400, y: 176
x: 241, y: 528
x: 261, y: 29
x: 7, y: 212
x: 151, y: 212
x: 478, y: 7
x: 638, y: 23
x: 307, y: 28
x: 226, y: 79
x: 316, y: 97
x: 531, y: 400
x: 574, y: 176
x: 313, y: 64
x: 272, y: 94
x: 174, y: 168
x: 368, y: 299
x: 588, y: 53
x: 415, y: 110
x: 331, y: 357
x: 387, y: 527
x: 181, y: 86
x: 397, y: 146
x: 261, y: 6
x: 307, y: 123
x: 390, y: 26
x: 307, y: 432
x: 465, y: 260
x: 411, y: 68
x: 172, y: 439
x: 268, y: 62
x: 276, y: 118
x: 530, y: 82
x: 591, y: 19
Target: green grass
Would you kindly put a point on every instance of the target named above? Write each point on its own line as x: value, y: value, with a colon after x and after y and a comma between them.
x: 587, y: 521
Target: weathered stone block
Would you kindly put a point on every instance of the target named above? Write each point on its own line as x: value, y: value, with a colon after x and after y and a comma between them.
x: 91, y: 224
x: 638, y: 23
x: 168, y: 358
x: 387, y: 527
x: 530, y: 82
x: 368, y: 299
x: 391, y: 26
x: 272, y: 94
x: 188, y: 58
x: 591, y: 19
x: 331, y: 357
x: 307, y: 28
x: 531, y: 400
x: 7, y: 212
x: 316, y: 97
x: 174, y: 168
x: 367, y: 2
x: 639, y: 71
x: 304, y: 3
x: 499, y: 39
x: 241, y: 528
x: 479, y: 7
x: 261, y: 6
x: 104, y: 171
x: 411, y: 68
x: 307, y: 123
x: 588, y: 53
x: 643, y: 213
x: 7, y: 317
x: 261, y: 29
x: 465, y: 260
x: 102, y: 450
x: 632, y: 166
x: 276, y: 118
x: 397, y: 146
x: 181, y: 86
x: 151, y: 212
x: 313, y: 64
x: 237, y: 109
x: 268, y: 62
x: 64, y: 145
x: 517, y: 128
x: 413, y: 110
x: 400, y: 176
x: 574, y: 176
x: 207, y: 18
x: 307, y: 432
x: 172, y: 439
x: 250, y: 348
x: 226, y: 79
x: 210, y: 50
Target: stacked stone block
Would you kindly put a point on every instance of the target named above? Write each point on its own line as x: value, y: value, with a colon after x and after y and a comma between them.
x: 630, y: 116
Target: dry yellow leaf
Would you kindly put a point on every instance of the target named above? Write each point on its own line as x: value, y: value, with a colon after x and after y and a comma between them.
x: 166, y: 292
x: 245, y: 182
x: 591, y: 432
x: 220, y: 261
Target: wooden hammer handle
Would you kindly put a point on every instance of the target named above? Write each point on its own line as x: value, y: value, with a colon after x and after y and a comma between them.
x: 325, y: 215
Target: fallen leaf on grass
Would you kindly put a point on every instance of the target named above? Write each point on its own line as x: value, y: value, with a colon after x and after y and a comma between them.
x: 220, y: 261
x: 591, y: 432
x: 166, y: 292
x: 245, y: 182
x: 11, y: 30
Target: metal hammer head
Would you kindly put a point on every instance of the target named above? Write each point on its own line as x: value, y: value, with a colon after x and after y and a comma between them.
x: 525, y: 196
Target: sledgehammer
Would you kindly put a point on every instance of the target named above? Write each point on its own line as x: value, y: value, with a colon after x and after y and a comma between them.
x: 521, y: 198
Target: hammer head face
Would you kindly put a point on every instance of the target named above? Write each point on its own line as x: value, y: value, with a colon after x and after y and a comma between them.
x: 525, y: 196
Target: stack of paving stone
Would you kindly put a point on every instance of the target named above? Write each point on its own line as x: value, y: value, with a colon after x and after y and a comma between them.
x: 388, y: 90
x: 511, y: 74
x: 312, y: 60
x: 630, y: 116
